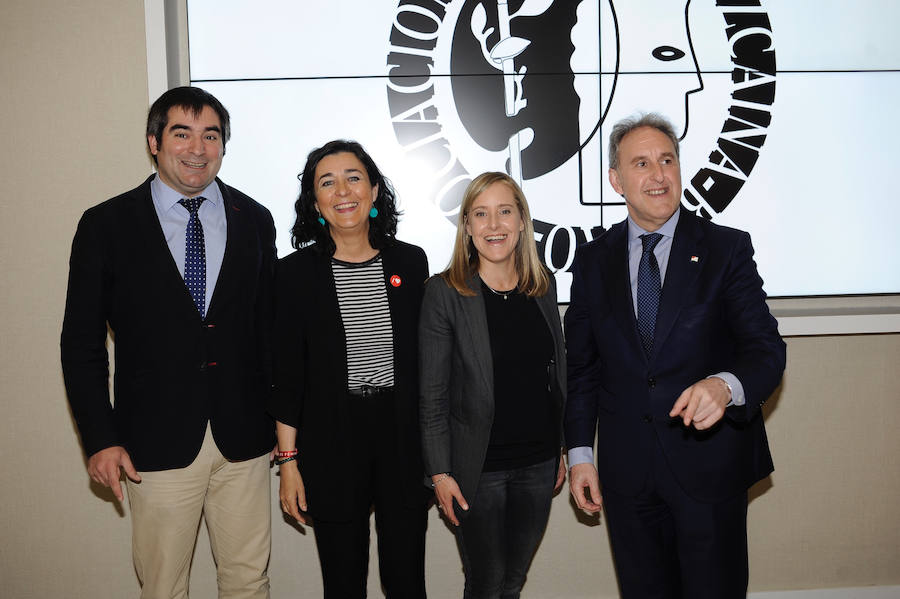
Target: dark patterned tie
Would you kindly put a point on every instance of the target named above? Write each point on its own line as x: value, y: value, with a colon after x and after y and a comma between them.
x: 648, y: 289
x: 195, y: 255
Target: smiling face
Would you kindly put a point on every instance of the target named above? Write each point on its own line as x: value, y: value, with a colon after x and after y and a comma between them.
x: 648, y: 176
x: 344, y: 194
x: 189, y: 153
x: 494, y: 222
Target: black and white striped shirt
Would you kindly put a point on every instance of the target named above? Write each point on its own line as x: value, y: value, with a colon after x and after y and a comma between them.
x: 362, y: 298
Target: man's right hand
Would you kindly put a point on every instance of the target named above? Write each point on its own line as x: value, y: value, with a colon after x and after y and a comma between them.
x: 581, y: 477
x: 103, y: 467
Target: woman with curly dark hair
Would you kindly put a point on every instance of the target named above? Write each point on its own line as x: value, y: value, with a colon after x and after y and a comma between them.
x: 346, y: 378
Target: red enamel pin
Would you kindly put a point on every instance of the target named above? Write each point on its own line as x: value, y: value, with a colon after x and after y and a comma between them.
x: 395, y: 280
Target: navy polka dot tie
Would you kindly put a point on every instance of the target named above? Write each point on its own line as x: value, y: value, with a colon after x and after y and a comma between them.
x: 648, y: 289
x: 195, y: 255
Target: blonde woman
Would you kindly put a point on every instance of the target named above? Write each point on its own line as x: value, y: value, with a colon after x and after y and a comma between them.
x: 493, y: 374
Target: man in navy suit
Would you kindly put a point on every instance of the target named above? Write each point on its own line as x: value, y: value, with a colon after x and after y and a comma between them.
x: 180, y: 270
x: 672, y: 352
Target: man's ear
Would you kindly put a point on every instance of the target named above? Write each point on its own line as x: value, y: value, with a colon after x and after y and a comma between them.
x: 151, y: 141
x: 614, y: 181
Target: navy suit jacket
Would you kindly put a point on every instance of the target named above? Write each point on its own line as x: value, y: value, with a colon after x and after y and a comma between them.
x: 712, y: 317
x: 174, y: 371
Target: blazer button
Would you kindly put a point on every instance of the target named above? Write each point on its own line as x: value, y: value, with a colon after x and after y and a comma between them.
x: 647, y: 418
x: 651, y: 382
x: 202, y: 366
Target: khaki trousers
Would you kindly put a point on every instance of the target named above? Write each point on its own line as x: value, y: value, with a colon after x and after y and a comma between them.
x: 234, y: 498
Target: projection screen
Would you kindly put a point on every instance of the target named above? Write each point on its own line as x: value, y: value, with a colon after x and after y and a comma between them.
x: 785, y: 110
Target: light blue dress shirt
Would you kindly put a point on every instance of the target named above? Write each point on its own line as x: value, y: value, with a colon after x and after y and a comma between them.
x: 173, y: 218
x: 581, y: 455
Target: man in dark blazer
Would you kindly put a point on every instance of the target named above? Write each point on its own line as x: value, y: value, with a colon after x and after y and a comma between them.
x: 672, y: 352
x: 180, y: 269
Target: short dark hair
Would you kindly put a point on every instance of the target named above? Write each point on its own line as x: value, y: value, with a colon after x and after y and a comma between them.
x: 627, y: 125
x: 307, y: 228
x: 191, y: 99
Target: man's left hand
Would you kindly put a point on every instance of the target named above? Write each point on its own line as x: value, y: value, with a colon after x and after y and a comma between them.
x: 702, y: 404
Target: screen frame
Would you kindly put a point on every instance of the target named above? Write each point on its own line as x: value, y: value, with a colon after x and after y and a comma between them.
x: 168, y: 65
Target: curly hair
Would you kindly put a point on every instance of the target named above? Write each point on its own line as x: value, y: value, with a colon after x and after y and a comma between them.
x: 307, y: 228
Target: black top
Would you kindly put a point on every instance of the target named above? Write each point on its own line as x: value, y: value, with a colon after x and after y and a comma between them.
x: 525, y: 429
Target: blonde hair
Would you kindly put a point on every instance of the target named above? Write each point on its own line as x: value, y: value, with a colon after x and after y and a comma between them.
x: 534, y: 278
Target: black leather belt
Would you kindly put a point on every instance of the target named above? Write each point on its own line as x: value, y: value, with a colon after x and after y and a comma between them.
x: 368, y: 391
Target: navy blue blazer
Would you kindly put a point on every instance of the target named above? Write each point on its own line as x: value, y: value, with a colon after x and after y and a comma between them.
x: 174, y: 371
x: 712, y: 318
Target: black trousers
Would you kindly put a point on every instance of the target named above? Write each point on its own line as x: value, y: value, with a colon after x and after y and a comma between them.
x: 668, y: 545
x: 344, y: 546
x: 500, y: 533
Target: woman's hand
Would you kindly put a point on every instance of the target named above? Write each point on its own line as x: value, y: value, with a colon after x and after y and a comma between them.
x: 561, y: 473
x: 446, y: 490
x: 292, y: 492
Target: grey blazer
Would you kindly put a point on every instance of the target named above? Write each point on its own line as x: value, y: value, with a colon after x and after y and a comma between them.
x: 456, y: 407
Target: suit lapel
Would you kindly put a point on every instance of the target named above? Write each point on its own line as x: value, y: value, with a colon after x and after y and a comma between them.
x: 686, y: 261
x: 238, y: 231
x: 398, y: 304
x: 477, y: 328
x: 618, y: 284
x: 392, y: 267
x: 156, y: 249
x: 547, y: 304
x: 328, y: 313
x: 550, y: 311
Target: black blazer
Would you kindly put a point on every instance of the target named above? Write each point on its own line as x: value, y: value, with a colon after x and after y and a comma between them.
x: 173, y: 371
x: 310, y: 374
x: 457, y: 397
x: 712, y: 318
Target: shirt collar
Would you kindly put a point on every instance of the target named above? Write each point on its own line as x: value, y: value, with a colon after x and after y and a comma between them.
x: 165, y: 197
x: 666, y: 230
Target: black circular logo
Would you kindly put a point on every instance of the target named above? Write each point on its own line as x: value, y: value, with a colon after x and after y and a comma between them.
x: 526, y: 86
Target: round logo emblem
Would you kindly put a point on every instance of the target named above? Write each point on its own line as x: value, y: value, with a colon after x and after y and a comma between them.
x: 533, y: 83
